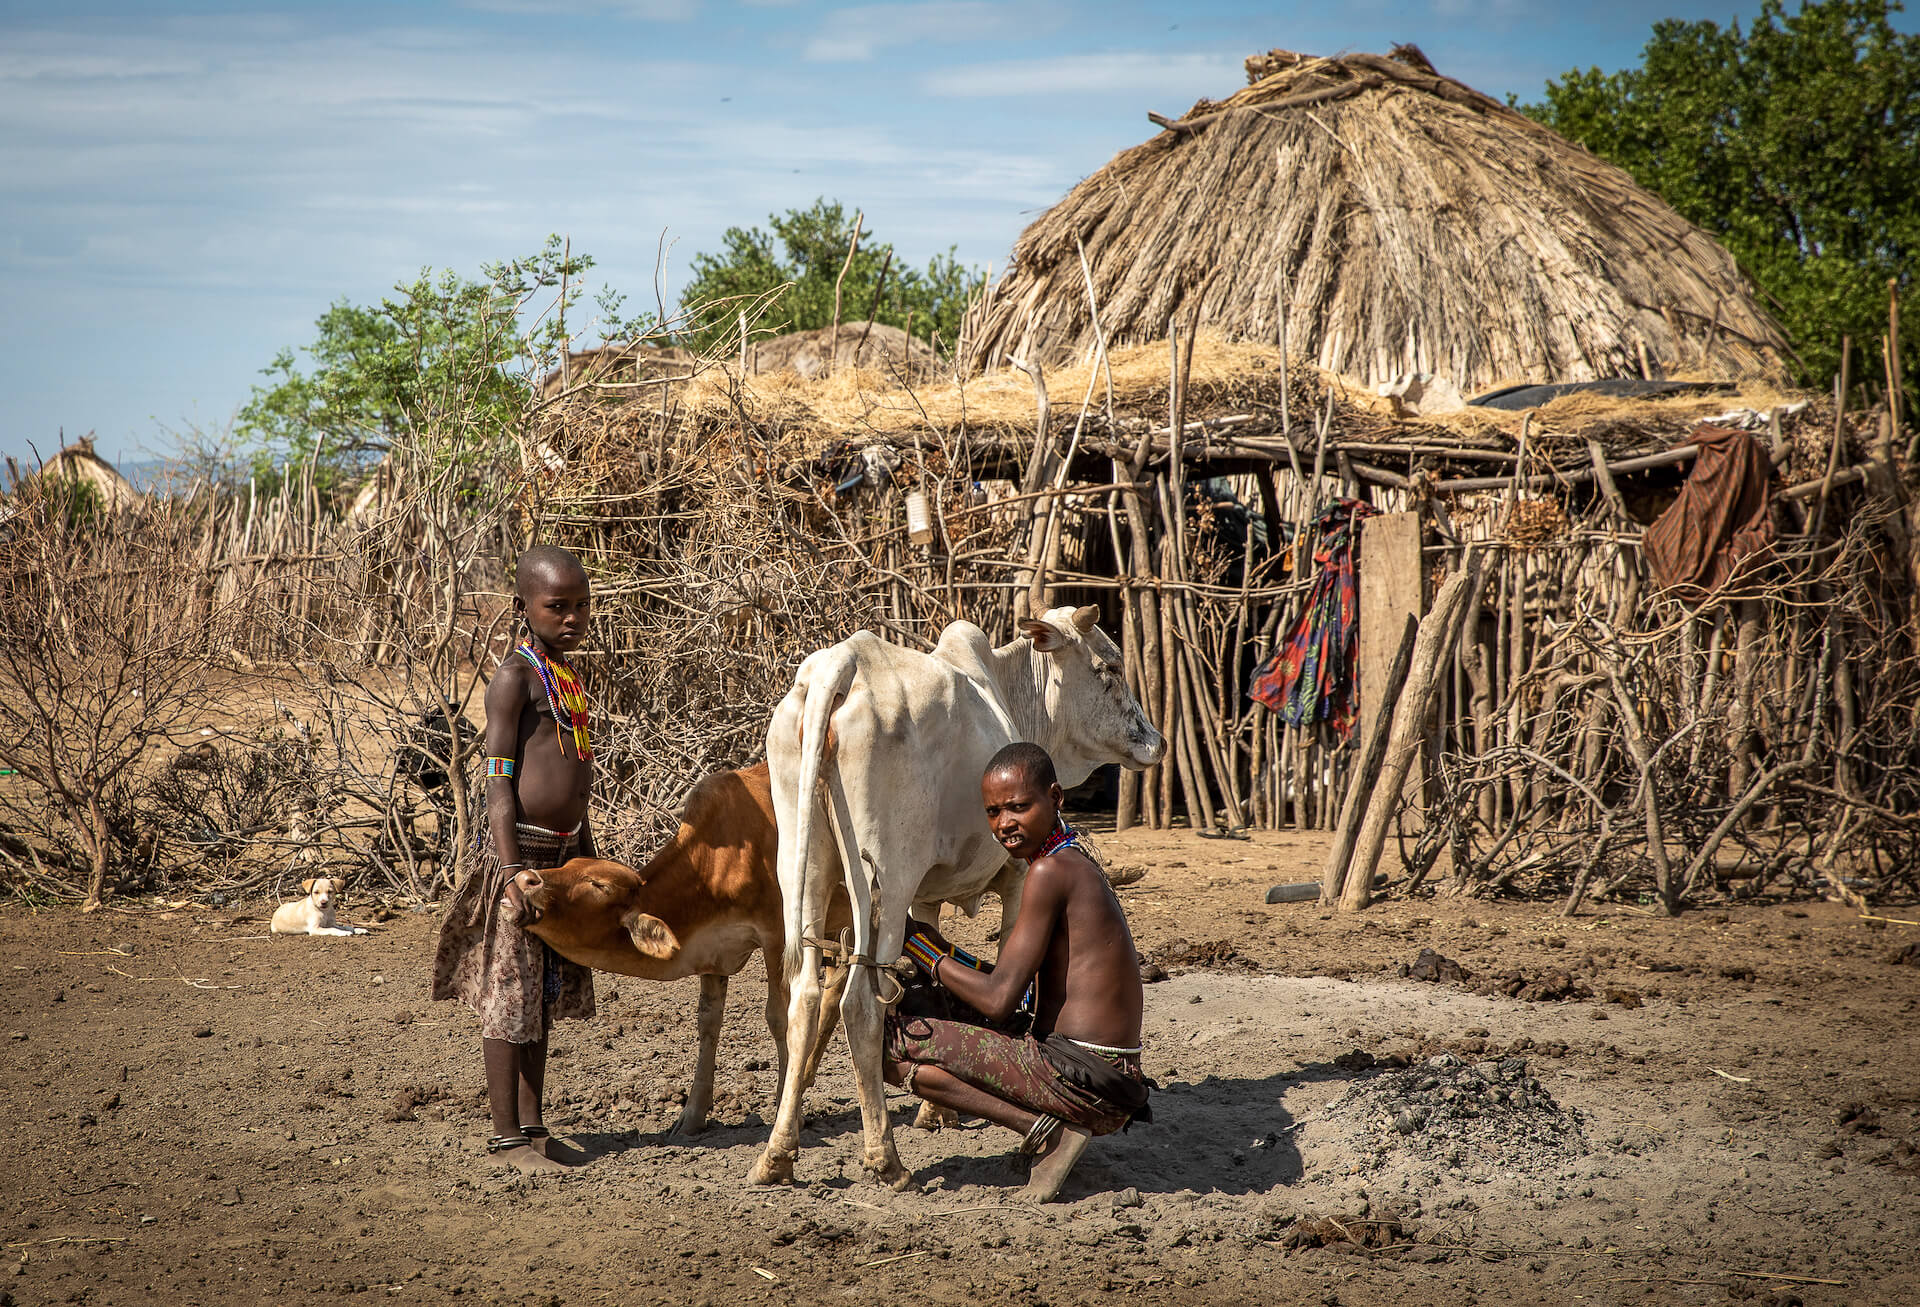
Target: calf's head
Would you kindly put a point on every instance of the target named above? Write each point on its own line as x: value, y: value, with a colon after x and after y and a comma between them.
x: 589, y: 912
x: 1091, y: 717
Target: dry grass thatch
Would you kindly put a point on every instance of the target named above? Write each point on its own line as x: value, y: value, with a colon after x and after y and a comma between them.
x: 639, y: 366
x: 1408, y: 222
x: 78, y: 462
x: 1233, y: 386
x: 871, y: 345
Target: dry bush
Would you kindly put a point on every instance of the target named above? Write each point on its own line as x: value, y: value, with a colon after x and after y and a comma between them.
x: 105, y: 653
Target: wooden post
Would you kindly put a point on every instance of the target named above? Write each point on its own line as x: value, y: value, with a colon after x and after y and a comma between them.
x: 1740, y: 713
x: 833, y: 333
x: 1841, y: 385
x: 1367, y: 766
x: 1438, y: 631
x: 1391, y: 590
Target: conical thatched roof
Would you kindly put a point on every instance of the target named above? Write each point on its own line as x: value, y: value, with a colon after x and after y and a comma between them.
x: 78, y: 462
x: 1412, y: 225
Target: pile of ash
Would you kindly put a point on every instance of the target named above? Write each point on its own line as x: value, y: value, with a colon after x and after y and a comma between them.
x: 1463, y: 1114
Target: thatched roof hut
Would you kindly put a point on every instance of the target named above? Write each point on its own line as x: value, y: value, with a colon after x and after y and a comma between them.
x: 875, y: 346
x: 617, y: 365
x: 1408, y: 223
x: 78, y: 462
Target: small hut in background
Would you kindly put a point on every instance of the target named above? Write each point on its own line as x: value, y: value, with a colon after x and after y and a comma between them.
x: 78, y: 463
x: 1381, y: 219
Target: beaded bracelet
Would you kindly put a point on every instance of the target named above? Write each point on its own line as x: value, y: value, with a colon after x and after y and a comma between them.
x: 500, y: 767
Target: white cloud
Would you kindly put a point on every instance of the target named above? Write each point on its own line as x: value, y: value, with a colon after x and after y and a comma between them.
x: 1177, y: 76
x: 858, y: 34
x: 227, y: 180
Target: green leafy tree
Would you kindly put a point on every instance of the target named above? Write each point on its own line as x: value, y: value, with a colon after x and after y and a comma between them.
x: 1797, y: 142
x: 379, y: 373
x: 807, y: 248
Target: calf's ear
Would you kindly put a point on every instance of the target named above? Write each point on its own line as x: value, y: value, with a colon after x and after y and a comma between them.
x: 652, y: 936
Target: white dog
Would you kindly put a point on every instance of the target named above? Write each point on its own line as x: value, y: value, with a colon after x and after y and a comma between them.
x: 312, y: 915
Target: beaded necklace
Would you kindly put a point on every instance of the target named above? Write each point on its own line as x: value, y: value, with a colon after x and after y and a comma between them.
x: 565, y: 698
x: 1063, y: 836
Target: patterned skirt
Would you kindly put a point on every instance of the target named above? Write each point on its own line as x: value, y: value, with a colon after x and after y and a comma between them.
x: 511, y: 979
x: 1013, y: 1070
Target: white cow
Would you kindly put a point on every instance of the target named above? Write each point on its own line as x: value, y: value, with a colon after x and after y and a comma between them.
x: 888, y: 745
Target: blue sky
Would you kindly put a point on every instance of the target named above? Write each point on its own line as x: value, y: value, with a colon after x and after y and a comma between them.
x: 185, y: 187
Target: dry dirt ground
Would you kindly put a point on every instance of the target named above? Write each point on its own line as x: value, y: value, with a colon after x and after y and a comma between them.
x: 197, y: 1112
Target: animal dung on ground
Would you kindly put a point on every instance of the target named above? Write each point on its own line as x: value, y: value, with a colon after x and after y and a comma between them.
x: 1434, y: 967
x: 1212, y: 955
x: 1544, y: 987
x: 1347, y: 1233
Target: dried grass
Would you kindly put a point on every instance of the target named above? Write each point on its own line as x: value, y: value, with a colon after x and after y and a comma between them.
x: 1226, y: 378
x: 1409, y: 223
x: 1225, y: 375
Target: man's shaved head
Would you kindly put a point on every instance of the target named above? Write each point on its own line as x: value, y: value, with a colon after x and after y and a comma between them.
x: 1026, y: 760
x: 546, y: 563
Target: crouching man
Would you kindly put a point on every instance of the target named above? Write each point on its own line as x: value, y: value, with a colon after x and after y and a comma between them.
x: 1076, y: 1073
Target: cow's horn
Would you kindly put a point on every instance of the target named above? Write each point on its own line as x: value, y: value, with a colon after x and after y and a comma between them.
x: 1084, y: 618
x: 1037, y: 594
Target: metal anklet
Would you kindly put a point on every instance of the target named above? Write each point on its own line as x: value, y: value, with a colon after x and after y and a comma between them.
x: 1040, y: 1134
x: 501, y: 1143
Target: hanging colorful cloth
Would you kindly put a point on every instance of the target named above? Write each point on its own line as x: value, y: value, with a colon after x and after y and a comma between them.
x: 1310, y: 676
x: 565, y: 698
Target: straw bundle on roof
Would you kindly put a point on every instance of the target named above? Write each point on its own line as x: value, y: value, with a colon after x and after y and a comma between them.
x: 1408, y: 223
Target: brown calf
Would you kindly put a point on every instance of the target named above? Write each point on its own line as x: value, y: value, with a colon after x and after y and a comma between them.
x: 704, y: 905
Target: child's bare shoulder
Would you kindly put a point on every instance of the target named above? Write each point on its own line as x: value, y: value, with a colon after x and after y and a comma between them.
x: 510, y: 683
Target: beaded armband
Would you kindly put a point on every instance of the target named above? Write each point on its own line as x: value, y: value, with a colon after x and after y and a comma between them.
x: 500, y: 767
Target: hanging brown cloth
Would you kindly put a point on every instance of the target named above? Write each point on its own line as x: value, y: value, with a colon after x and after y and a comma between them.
x: 1722, y: 524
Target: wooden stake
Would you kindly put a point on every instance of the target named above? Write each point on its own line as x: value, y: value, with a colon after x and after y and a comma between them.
x: 1841, y: 384
x: 833, y: 334
x: 1366, y: 768
x: 1438, y: 631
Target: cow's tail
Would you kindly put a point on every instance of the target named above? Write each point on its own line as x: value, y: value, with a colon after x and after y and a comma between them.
x: 804, y: 902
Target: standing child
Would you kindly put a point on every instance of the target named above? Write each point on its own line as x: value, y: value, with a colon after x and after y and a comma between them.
x: 539, y: 775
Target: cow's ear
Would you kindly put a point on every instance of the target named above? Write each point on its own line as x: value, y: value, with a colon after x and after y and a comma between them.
x: 1084, y: 618
x: 1046, y: 636
x: 652, y: 936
